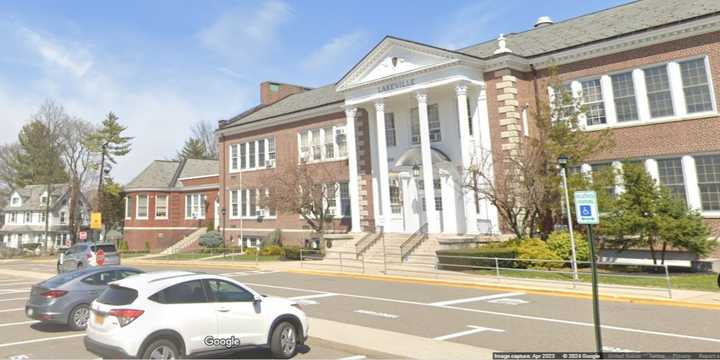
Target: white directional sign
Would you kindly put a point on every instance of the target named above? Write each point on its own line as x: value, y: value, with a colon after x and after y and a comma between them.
x: 586, y: 207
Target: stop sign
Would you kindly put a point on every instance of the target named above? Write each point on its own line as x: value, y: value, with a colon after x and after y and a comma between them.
x: 100, y: 257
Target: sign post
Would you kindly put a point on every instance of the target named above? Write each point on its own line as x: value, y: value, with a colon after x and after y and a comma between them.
x: 96, y: 223
x: 587, y: 212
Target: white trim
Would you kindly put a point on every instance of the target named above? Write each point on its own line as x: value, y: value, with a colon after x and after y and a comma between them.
x: 167, y: 207
x: 127, y: 202
x: 203, y: 213
x: 182, y: 189
x: 666, y: 119
x: 198, y: 177
x: 137, y: 207
x: 321, y: 130
x: 254, y: 142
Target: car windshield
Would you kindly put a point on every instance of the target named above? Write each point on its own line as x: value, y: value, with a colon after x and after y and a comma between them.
x: 117, y: 295
x: 63, y: 278
x: 106, y: 248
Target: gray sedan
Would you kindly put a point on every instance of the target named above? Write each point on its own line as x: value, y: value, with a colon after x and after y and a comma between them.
x: 66, y: 298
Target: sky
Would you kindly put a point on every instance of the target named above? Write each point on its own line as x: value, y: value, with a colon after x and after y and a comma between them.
x: 164, y: 65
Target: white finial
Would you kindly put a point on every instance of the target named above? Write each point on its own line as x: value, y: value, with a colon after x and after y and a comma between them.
x: 502, y: 47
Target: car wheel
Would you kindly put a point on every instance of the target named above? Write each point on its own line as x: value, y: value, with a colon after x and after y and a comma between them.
x: 161, y: 349
x: 283, y: 343
x: 79, y: 266
x: 79, y: 317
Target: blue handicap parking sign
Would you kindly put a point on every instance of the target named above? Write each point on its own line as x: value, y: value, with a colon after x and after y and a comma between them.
x: 585, y: 210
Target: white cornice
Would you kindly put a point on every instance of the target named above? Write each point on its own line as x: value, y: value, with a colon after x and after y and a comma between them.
x: 182, y: 189
x: 283, y: 119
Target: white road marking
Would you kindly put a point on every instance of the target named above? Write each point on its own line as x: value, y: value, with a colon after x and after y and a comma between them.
x: 12, y: 291
x: 375, y: 313
x: 479, y: 298
x: 18, y: 283
x: 496, y: 313
x: 473, y: 329
x: 616, y: 349
x: 9, y: 280
x: 19, y: 357
x: 316, y: 296
x: 508, y: 301
x: 41, y: 340
x: 14, y: 309
x: 356, y: 357
x: 249, y: 272
x: 13, y: 299
x: 19, y: 323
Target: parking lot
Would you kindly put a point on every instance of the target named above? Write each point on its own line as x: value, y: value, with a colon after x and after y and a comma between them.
x: 468, y: 316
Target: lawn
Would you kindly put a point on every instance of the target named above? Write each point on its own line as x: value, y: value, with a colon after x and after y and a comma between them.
x: 197, y: 255
x: 688, y: 281
x: 249, y: 258
x: 132, y: 254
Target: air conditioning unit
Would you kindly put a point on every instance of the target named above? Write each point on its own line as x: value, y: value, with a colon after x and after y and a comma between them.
x: 260, y: 213
x: 332, y: 211
x: 270, y: 163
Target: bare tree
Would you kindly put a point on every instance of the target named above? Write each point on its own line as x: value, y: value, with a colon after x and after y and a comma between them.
x: 306, y: 189
x: 205, y: 132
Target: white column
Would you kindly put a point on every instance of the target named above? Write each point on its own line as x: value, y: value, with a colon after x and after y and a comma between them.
x: 382, y: 162
x: 431, y: 214
x: 449, y: 198
x: 691, y: 183
x: 470, y: 214
x: 651, y: 166
x: 638, y: 76
x: 409, y: 196
x: 608, y: 99
x: 676, y: 88
x: 353, y: 183
x: 485, y: 154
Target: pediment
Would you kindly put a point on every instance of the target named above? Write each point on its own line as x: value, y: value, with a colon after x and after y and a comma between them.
x: 394, y: 57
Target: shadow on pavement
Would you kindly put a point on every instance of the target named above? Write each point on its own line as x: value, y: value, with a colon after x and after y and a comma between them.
x: 51, y: 328
x: 256, y: 354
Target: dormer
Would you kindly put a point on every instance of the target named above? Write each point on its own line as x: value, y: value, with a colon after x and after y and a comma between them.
x: 15, y: 199
x: 44, y: 198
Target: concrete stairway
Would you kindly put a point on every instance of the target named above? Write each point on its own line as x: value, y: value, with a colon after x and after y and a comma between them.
x: 185, y: 242
x: 392, y: 244
x: 425, y: 253
x: 342, y: 244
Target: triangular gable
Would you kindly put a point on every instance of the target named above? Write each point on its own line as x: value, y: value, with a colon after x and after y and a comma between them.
x: 393, y: 56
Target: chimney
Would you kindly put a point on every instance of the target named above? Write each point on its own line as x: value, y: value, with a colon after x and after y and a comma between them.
x: 543, y: 21
x: 271, y: 92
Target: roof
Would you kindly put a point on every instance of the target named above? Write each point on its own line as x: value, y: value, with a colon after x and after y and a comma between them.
x: 324, y: 95
x: 613, y: 22
x: 161, y: 174
x: 31, y: 195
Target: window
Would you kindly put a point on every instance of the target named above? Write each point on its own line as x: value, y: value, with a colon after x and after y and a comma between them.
x: 234, y: 205
x: 390, y: 129
x: 251, y: 154
x: 195, y: 206
x: 63, y: 219
x: 438, y: 194
x: 261, y: 153
x: 470, y: 117
x: 696, y: 86
x: 253, y: 202
x: 708, y: 174
x: 345, y: 208
x: 161, y: 206
x: 395, y: 197
x: 100, y: 278
x: 671, y: 175
x: 243, y: 156
x: 563, y: 102
x: 604, y: 172
x: 244, y: 202
x: 256, y: 154
x: 15, y: 201
x: 658, y: 91
x: 27, y: 217
x: 43, y: 199
x: 624, y: 94
x: 42, y: 217
x: 13, y: 218
x: 433, y: 122
x: 331, y: 197
x: 223, y: 291
x: 233, y: 157
x: 142, y: 206
x: 191, y: 292
x: 117, y: 295
x: 271, y: 149
x: 328, y: 143
x: 593, y: 101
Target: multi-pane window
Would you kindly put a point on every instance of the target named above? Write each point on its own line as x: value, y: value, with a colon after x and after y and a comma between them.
x: 344, y: 199
x: 593, y: 101
x: 328, y: 143
x: 63, y: 218
x: 331, y: 198
x: 243, y: 198
x: 433, y: 124
x: 246, y: 203
x: 708, y: 175
x: 470, y: 116
x: 13, y: 218
x: 28, y: 217
x: 395, y: 197
x: 438, y: 194
x: 390, y: 139
x: 15, y: 201
x: 255, y: 154
x: 128, y: 207
x: 658, y: 91
x: 624, y: 95
x: 696, y: 86
x: 234, y: 205
x: 42, y: 217
x: 142, y: 206
x: 161, y: 206
x: 195, y: 206
x: 604, y: 172
x: 671, y: 175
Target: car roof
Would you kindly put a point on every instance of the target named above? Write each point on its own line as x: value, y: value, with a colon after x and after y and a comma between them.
x: 151, y: 282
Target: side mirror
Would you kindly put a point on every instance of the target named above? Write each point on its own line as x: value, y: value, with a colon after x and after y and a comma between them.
x: 257, y: 300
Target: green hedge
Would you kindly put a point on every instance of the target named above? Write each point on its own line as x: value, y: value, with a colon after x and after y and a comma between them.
x: 291, y: 252
x: 445, y: 257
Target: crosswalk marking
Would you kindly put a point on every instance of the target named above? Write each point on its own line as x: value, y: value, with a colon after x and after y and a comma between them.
x: 479, y: 298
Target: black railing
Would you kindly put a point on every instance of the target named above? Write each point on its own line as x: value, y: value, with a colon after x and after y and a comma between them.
x: 367, y: 242
x: 414, y: 241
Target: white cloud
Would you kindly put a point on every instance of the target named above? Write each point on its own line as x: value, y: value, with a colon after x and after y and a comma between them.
x: 468, y: 25
x: 69, y: 57
x: 244, y: 35
x: 340, y: 48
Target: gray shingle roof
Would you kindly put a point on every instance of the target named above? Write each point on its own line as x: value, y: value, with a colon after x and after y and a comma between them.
x: 196, y: 167
x: 159, y: 174
x: 619, y: 20
x: 310, y: 99
x: 31, y: 195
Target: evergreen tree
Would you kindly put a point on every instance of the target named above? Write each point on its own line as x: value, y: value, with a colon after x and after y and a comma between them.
x: 194, y: 148
x: 38, y: 160
x: 109, y: 143
x: 113, y: 205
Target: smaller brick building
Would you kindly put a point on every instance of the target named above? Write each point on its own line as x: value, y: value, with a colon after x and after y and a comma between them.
x: 170, y: 200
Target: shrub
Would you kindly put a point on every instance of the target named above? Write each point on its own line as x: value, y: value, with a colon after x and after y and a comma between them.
x: 147, y: 246
x: 291, y: 252
x: 272, y: 250
x: 559, y: 243
x: 251, y: 251
x: 536, y: 249
x: 210, y: 225
x: 123, y: 245
x: 211, y: 239
x: 273, y: 238
x: 446, y: 257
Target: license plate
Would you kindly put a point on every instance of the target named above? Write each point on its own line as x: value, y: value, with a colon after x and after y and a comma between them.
x: 30, y: 311
x: 99, y: 319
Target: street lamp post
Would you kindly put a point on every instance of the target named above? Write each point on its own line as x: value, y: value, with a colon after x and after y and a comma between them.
x: 562, y: 161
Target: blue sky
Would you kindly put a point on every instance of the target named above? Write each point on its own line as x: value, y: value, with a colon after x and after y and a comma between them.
x: 163, y: 65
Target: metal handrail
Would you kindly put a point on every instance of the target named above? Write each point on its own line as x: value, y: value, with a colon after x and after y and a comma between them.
x: 414, y: 241
x: 365, y: 243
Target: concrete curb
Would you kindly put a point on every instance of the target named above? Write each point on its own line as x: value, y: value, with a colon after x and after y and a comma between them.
x: 528, y: 289
x: 205, y: 264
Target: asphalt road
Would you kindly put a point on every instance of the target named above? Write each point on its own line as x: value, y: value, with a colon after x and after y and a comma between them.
x: 499, y: 320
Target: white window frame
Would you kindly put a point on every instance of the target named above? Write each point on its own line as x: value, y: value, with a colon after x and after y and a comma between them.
x: 15, y: 200
x: 431, y: 130
x: 167, y: 207
x: 137, y: 207
x: 334, y: 131
x: 708, y: 76
x: 128, y: 211
x: 243, y: 157
x: 244, y: 207
x: 199, y: 198
x: 390, y: 130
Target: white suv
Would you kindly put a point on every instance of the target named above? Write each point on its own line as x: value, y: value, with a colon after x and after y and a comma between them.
x: 173, y: 314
